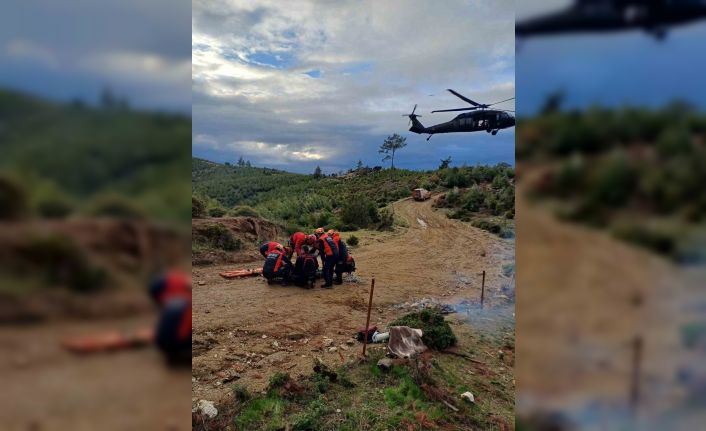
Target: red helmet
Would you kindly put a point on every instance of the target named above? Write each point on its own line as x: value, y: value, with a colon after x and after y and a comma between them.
x: 311, y: 239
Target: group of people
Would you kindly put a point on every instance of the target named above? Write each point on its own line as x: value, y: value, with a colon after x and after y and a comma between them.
x: 328, y: 245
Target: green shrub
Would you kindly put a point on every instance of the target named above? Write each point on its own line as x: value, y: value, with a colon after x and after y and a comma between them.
x: 488, y: 226
x: 352, y: 241
x: 198, y: 207
x: 63, y: 263
x: 387, y: 219
x: 216, y: 212
x: 244, y: 211
x: 437, y: 333
x: 115, y: 206
x: 218, y: 236
x: 14, y: 203
x: 54, y: 207
x: 359, y: 211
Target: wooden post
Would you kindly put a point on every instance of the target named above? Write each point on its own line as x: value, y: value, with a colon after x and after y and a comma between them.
x: 482, y: 291
x: 637, y: 346
x: 367, y: 320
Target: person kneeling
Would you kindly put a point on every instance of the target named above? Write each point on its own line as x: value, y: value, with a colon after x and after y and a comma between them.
x: 305, y: 267
x: 277, y: 266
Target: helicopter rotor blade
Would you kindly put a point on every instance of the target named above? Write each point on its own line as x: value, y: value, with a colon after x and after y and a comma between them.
x: 452, y: 110
x: 415, y: 108
x: 506, y: 100
x: 464, y: 98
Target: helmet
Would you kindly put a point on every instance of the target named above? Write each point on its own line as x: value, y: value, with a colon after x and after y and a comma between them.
x: 311, y: 239
x: 279, y: 247
x: 319, y: 231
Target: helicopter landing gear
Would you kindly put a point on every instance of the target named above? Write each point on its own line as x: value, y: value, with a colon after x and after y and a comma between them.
x: 430, y: 136
x: 494, y: 132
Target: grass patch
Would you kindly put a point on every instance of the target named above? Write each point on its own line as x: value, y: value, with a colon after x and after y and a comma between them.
x: 437, y: 332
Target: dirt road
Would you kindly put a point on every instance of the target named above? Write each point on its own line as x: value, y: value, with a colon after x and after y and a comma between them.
x: 248, y: 328
x: 48, y: 388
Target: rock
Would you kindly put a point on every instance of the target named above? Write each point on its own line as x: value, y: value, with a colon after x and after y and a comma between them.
x: 332, y: 349
x: 350, y: 341
x: 338, y: 410
x: 385, y: 364
x: 264, y: 336
x: 275, y: 344
x: 468, y: 397
x: 207, y: 408
x: 327, y: 342
x: 343, y: 347
x: 201, y: 283
x: 295, y: 336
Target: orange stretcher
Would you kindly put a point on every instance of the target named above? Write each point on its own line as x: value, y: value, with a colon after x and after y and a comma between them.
x: 109, y: 342
x: 240, y: 273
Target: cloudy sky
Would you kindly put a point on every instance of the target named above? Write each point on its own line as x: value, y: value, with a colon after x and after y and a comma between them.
x: 612, y: 69
x: 65, y: 49
x: 304, y: 83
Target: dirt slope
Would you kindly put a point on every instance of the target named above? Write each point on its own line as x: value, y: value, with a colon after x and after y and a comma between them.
x: 252, y: 329
x: 583, y: 297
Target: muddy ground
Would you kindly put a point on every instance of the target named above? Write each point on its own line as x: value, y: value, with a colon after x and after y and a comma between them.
x: 246, y: 330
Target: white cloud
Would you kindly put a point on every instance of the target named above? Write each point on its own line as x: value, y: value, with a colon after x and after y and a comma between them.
x: 376, y: 59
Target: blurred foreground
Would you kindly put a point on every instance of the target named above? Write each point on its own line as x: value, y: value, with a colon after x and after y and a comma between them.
x: 610, y: 250
x: 93, y: 204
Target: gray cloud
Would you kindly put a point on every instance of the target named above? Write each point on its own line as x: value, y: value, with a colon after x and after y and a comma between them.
x: 252, y: 95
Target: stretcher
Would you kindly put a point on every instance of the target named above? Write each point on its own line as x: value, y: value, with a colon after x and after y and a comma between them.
x: 240, y: 273
x: 109, y: 341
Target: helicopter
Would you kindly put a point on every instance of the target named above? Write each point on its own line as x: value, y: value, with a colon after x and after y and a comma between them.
x: 483, y: 119
x: 652, y: 16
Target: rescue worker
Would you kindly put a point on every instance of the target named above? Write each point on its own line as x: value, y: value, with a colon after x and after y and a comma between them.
x: 277, y: 265
x: 172, y: 293
x: 329, y: 256
x: 342, y: 255
x: 305, y: 267
x: 296, y: 241
x: 268, y: 247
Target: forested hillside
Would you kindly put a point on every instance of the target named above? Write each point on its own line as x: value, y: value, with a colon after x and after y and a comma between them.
x: 355, y: 200
x: 73, y: 158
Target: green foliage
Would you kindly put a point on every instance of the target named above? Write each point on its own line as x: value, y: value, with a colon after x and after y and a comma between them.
x: 390, y: 146
x: 352, y: 241
x: 216, y: 212
x: 387, y: 219
x: 359, y: 211
x: 241, y: 393
x: 198, y: 207
x: 115, y: 206
x: 216, y: 235
x: 88, y: 151
x: 317, y: 173
x: 14, y: 203
x: 437, y: 333
x: 62, y: 262
x: 487, y: 225
x: 244, y: 211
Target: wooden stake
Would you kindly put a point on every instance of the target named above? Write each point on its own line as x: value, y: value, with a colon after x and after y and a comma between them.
x: 635, y: 377
x: 482, y: 291
x: 367, y: 320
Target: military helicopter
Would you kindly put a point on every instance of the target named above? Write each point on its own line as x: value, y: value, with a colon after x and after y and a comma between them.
x: 483, y: 119
x: 652, y: 16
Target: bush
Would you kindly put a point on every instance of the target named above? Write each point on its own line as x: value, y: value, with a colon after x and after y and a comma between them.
x: 55, y: 207
x: 63, y: 263
x: 474, y: 199
x: 359, y: 211
x: 488, y: 226
x: 218, y: 236
x: 13, y: 200
x: 198, y: 208
x: 387, y: 219
x: 352, y: 241
x: 115, y: 206
x: 216, y: 212
x: 244, y: 211
x: 437, y: 333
